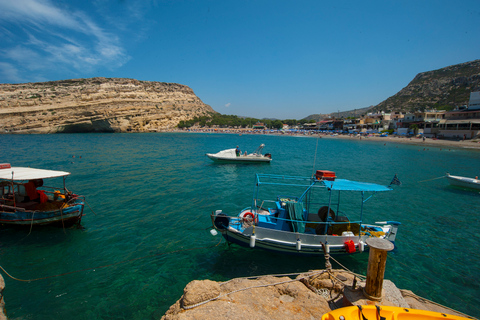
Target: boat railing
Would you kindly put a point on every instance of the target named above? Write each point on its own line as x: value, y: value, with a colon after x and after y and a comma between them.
x: 12, y: 208
x: 68, y: 200
x: 264, y: 205
x: 321, y: 227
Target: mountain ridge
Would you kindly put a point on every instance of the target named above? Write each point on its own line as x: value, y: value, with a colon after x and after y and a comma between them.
x: 443, y: 88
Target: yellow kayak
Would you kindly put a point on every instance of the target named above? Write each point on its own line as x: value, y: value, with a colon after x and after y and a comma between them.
x: 386, y: 313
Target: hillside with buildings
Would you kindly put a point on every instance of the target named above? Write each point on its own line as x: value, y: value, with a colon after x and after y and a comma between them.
x: 443, y: 103
x: 444, y: 89
x: 460, y: 123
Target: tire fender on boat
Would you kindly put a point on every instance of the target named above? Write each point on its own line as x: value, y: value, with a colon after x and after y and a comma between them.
x: 221, y: 221
x: 323, y: 213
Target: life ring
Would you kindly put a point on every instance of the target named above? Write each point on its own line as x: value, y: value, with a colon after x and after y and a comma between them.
x: 323, y: 214
x: 249, y: 214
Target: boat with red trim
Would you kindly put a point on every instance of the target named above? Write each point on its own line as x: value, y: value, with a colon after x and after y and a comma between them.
x: 304, y: 216
x: 26, y: 201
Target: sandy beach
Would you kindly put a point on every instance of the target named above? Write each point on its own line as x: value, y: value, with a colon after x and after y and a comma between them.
x: 428, y: 142
x: 438, y: 143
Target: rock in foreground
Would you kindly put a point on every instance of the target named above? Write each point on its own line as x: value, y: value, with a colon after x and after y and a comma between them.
x: 309, y: 296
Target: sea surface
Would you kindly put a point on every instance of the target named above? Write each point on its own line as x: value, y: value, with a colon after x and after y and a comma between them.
x: 149, y: 198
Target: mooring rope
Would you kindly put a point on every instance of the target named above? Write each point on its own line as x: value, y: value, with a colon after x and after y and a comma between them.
x: 347, y: 270
x: 413, y: 295
x: 248, y: 288
x: 31, y: 224
x: 108, y: 265
x: 315, y: 158
x: 431, y: 179
x: 273, y: 284
x: 90, y: 207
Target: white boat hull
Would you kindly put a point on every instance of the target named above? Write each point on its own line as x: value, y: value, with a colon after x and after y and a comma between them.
x: 247, y: 159
x: 464, y: 182
x: 230, y: 155
x: 306, y: 244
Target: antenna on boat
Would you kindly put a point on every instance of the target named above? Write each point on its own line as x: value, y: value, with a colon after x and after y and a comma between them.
x: 315, y: 158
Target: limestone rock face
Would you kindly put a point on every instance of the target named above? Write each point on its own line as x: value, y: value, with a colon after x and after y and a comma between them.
x: 96, y: 105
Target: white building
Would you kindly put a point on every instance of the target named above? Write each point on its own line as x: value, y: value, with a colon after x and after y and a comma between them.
x: 474, y: 103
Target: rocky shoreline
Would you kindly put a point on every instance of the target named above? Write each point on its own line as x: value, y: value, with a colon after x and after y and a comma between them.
x: 297, y: 296
x: 307, y: 296
x: 2, y: 302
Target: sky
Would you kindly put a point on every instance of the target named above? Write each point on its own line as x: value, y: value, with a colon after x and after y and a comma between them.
x: 280, y: 59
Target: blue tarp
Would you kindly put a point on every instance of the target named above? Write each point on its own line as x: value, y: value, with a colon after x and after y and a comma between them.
x: 347, y: 185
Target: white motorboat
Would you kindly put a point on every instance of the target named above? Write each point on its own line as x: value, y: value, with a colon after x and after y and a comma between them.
x: 230, y: 155
x: 464, y: 182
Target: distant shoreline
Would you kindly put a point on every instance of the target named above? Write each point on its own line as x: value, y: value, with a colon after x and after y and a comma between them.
x: 439, y: 143
x: 429, y: 142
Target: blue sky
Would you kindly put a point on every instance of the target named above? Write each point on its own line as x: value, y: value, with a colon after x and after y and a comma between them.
x: 278, y: 59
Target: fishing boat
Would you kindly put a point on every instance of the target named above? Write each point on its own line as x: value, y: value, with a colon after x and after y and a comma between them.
x: 304, y: 216
x: 387, y: 313
x: 26, y: 201
x: 464, y: 182
x: 231, y: 155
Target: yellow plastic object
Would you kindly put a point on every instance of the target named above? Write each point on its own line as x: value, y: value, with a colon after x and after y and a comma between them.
x: 387, y: 313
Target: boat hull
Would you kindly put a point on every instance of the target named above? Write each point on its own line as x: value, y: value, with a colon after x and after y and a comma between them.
x: 63, y: 217
x: 387, y: 313
x: 464, y: 182
x: 240, y: 159
x: 298, y: 244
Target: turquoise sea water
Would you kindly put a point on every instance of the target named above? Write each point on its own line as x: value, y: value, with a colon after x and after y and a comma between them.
x: 152, y: 195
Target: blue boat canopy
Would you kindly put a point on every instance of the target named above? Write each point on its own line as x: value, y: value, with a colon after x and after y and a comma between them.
x: 347, y: 185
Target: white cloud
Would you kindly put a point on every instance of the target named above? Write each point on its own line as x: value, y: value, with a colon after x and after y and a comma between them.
x: 9, y: 71
x: 228, y: 105
x: 49, y: 37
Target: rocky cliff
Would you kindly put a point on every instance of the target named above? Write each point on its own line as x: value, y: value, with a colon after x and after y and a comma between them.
x: 96, y: 105
x: 441, y: 89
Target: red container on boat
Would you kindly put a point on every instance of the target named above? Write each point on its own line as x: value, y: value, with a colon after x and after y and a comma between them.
x: 325, y: 175
x: 5, y: 165
x: 349, y: 246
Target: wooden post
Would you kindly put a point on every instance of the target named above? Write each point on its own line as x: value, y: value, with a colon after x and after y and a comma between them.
x: 376, y: 267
